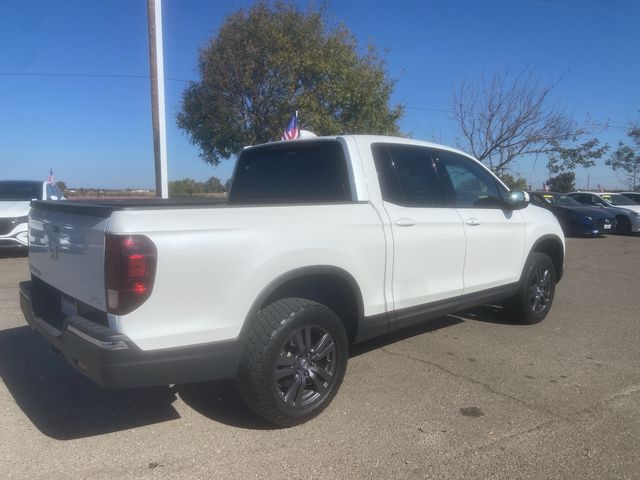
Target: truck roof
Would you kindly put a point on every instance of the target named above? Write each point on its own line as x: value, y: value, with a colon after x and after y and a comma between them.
x: 370, y: 139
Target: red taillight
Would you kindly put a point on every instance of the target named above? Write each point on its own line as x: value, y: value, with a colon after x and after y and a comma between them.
x: 130, y: 268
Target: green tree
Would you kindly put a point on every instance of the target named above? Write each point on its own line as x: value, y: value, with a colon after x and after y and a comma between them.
x: 564, y: 159
x: 271, y: 60
x: 213, y: 185
x: 186, y: 187
x: 627, y: 158
x: 514, y: 183
x: 563, y: 182
x: 61, y: 185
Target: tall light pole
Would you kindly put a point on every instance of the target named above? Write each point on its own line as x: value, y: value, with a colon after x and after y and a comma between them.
x: 154, y: 17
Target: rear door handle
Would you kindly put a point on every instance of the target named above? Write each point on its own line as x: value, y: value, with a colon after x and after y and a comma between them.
x: 472, y: 222
x: 406, y: 222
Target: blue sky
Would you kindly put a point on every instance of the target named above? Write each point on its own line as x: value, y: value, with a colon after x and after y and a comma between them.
x: 95, y: 130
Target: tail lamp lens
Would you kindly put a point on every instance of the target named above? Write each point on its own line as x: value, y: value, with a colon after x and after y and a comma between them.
x: 130, y: 269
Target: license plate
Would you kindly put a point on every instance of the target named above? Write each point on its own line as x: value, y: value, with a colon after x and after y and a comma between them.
x: 69, y: 307
x: 607, y: 226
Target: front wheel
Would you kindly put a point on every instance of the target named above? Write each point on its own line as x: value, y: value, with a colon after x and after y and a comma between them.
x: 294, y: 361
x: 536, y: 291
x: 623, y: 226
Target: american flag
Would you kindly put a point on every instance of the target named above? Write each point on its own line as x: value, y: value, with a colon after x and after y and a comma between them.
x: 50, y: 177
x: 291, y: 131
x: 545, y: 186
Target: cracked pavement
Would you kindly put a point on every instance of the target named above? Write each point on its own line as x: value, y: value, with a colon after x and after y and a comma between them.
x: 466, y: 396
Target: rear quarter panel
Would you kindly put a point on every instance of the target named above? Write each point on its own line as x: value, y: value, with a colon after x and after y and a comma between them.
x: 213, y: 263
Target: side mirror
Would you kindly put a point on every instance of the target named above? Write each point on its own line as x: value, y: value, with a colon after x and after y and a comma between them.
x: 517, y: 200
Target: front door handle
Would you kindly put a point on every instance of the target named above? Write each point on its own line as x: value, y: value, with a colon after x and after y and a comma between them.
x: 473, y: 222
x: 406, y: 222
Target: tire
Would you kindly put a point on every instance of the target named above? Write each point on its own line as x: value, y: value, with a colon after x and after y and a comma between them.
x: 536, y: 291
x: 623, y: 226
x: 293, y: 362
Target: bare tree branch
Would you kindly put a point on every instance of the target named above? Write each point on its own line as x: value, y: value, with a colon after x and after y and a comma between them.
x: 509, y: 116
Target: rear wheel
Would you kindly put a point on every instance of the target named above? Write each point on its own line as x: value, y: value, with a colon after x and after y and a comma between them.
x: 294, y: 361
x: 536, y: 291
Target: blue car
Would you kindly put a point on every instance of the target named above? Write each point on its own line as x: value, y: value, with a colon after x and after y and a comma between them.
x: 575, y: 218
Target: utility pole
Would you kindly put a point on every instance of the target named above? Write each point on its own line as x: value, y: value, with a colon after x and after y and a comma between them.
x: 154, y: 18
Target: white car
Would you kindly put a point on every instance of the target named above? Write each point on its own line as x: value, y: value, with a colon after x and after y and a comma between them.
x: 15, y: 198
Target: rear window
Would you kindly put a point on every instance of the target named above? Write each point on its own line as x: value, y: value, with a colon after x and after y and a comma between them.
x: 292, y: 172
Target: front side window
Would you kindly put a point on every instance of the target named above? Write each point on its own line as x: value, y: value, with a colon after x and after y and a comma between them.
x: 292, y: 172
x: 595, y: 200
x: 407, y: 175
x: 471, y: 186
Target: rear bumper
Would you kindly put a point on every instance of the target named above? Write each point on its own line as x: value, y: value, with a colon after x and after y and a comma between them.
x: 113, y: 360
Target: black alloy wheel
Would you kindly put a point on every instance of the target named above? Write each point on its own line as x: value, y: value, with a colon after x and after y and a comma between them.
x: 535, y: 294
x: 305, y: 369
x: 540, y: 288
x: 294, y: 360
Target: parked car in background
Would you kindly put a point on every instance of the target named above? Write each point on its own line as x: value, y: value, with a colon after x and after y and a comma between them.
x: 635, y: 196
x: 15, y: 199
x: 626, y: 211
x: 575, y: 218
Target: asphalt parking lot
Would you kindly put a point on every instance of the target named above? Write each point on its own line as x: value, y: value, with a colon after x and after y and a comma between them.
x: 469, y: 396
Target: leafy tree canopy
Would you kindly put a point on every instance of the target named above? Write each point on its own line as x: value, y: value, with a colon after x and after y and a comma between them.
x: 271, y: 60
x: 214, y: 185
x: 563, y: 182
x: 627, y: 158
x: 563, y: 159
x: 514, y: 183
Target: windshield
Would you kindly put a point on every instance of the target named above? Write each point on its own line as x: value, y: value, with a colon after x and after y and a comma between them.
x: 558, y: 199
x: 20, y: 190
x: 617, y: 199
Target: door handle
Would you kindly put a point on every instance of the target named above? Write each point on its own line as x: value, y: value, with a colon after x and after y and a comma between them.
x: 406, y: 222
x: 473, y: 222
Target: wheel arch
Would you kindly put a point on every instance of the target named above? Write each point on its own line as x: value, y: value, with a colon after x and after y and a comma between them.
x: 330, y: 285
x: 553, y: 247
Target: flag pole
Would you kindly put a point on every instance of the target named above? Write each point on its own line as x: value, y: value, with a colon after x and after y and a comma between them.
x: 156, y: 63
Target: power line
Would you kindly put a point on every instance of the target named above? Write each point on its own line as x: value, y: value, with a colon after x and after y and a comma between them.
x: 84, y: 75
x: 182, y: 80
x: 441, y: 110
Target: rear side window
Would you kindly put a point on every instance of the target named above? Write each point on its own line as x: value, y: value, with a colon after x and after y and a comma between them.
x: 406, y: 175
x: 292, y: 172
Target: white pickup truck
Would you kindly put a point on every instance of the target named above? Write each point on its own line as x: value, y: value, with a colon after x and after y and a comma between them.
x: 322, y: 243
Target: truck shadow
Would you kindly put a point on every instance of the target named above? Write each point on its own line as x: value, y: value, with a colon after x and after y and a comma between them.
x: 221, y: 402
x: 13, y: 252
x: 64, y: 405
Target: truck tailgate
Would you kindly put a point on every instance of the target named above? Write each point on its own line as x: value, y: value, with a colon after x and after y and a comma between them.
x: 66, y: 250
